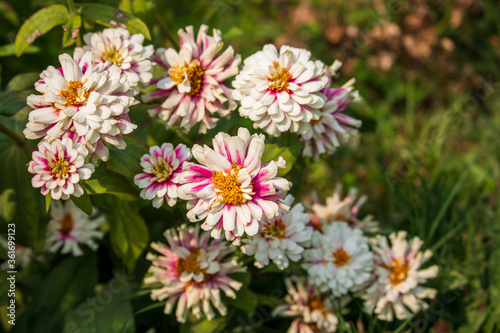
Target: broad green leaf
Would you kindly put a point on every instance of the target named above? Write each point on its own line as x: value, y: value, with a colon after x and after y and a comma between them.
x: 12, y: 102
x: 112, y: 17
x: 23, y: 81
x: 129, y: 233
x: 66, y: 285
x: 71, y: 30
x: 273, y: 152
x: 127, y: 161
x: 245, y: 300
x: 114, y: 315
x: 9, y: 50
x: 104, y: 181
x: 84, y: 203
x: 38, y: 24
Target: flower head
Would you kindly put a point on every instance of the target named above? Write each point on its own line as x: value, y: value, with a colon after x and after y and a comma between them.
x: 342, y: 210
x: 333, y: 126
x: 231, y: 189
x: 312, y: 310
x: 160, y: 178
x: 91, y: 99
x: 117, y: 46
x: 58, y: 167
x: 192, y: 270
x: 70, y: 228
x: 398, y: 277
x: 193, y: 89
x: 339, y: 259
x: 23, y: 254
x: 280, y: 92
x: 281, y: 238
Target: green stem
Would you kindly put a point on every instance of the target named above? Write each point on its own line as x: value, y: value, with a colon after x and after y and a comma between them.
x: 71, y: 6
x: 165, y: 30
x: 7, y: 131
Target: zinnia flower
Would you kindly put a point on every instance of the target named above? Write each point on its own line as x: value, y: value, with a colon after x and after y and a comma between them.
x: 230, y: 188
x: 70, y: 228
x: 191, y: 271
x: 338, y: 209
x: 312, y: 310
x: 23, y: 255
x: 119, y: 48
x: 58, y: 167
x: 398, y: 278
x: 281, y: 238
x: 160, y: 178
x: 83, y: 97
x: 193, y: 89
x: 339, y: 259
x: 280, y: 92
x: 333, y: 126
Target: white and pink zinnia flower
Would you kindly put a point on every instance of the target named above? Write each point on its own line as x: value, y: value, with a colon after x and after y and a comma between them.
x: 280, y: 92
x: 117, y: 46
x: 230, y: 188
x: 82, y: 96
x: 58, y: 167
x: 70, y: 228
x: 193, y: 89
x: 160, y: 178
x: 192, y: 270
x: 397, y: 285
x: 312, y: 311
x: 333, y: 126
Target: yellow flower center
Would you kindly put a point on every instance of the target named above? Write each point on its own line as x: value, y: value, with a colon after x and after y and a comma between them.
x: 341, y: 257
x: 275, y: 229
x: 162, y: 170
x: 191, y: 265
x: 112, y: 55
x: 278, y: 78
x: 316, y: 303
x: 60, y: 168
x: 194, y: 73
x: 398, y: 271
x: 228, y: 186
x: 67, y: 223
x: 75, y: 95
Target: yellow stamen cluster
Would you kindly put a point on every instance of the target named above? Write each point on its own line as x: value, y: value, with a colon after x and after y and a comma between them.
x: 60, y: 168
x: 228, y: 185
x: 275, y: 229
x: 112, y: 55
x: 341, y: 257
x: 162, y: 170
x: 398, y: 271
x: 191, y: 265
x: 279, y: 78
x: 194, y: 73
x: 75, y: 95
x: 67, y: 223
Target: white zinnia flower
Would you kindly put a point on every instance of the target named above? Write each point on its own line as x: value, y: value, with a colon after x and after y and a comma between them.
x: 281, y: 238
x: 231, y: 188
x: 23, y: 255
x: 91, y: 99
x: 58, y: 167
x: 312, y: 310
x: 70, y: 228
x: 117, y: 46
x: 339, y: 259
x: 398, y: 278
x: 193, y: 88
x: 280, y: 92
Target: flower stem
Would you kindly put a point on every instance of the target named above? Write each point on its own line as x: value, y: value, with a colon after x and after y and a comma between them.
x: 165, y: 30
x: 7, y: 131
x: 71, y: 6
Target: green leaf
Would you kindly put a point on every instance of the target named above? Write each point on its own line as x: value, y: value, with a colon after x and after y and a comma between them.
x: 112, y: 17
x: 38, y: 24
x: 127, y: 161
x: 273, y: 152
x: 9, y: 50
x: 245, y: 300
x: 129, y: 233
x: 71, y: 30
x: 68, y: 284
x: 48, y: 200
x: 23, y: 81
x: 84, y: 203
x: 104, y: 181
x: 12, y: 102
